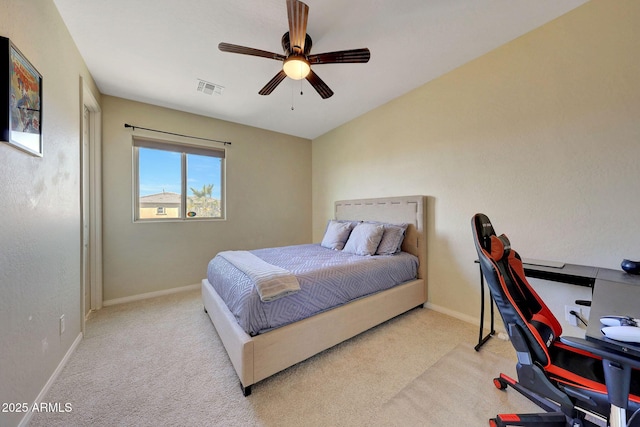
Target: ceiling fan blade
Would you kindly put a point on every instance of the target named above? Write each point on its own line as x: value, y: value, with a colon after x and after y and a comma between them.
x: 234, y: 48
x: 298, y: 13
x: 320, y: 86
x: 341, y: 57
x: 273, y: 83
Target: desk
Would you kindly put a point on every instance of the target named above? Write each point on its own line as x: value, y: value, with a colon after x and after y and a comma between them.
x: 614, y: 293
x: 581, y: 275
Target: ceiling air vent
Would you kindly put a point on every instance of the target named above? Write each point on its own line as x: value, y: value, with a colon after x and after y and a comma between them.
x: 209, y: 88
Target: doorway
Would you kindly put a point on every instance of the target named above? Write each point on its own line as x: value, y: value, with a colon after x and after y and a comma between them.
x: 91, y: 205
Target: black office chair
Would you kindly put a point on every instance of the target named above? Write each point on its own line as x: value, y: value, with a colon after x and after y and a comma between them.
x: 576, y: 381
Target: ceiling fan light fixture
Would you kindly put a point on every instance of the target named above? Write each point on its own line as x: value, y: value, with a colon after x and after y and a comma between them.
x: 296, y: 67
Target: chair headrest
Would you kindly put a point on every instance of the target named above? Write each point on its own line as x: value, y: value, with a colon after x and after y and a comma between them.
x: 483, y: 226
x: 499, y: 247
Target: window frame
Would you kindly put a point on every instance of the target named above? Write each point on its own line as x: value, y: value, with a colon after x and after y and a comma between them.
x: 183, y: 149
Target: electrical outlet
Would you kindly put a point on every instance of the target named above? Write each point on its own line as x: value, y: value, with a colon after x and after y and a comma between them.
x: 62, y: 324
x: 572, y: 319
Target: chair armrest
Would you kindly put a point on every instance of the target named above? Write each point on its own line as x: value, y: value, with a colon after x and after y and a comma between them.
x: 617, y: 369
x: 601, y: 351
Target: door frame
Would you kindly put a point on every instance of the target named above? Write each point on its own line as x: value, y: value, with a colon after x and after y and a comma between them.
x: 94, y: 204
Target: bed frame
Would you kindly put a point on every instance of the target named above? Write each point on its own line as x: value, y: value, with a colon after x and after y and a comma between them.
x: 258, y: 357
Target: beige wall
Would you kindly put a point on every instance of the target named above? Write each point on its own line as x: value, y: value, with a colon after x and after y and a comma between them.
x: 40, y: 227
x: 268, y: 187
x: 542, y: 135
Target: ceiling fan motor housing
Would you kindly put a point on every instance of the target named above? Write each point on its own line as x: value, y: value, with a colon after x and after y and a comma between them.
x: 286, y: 45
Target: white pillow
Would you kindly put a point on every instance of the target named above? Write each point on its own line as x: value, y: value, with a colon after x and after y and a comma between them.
x: 336, y: 235
x: 364, y: 239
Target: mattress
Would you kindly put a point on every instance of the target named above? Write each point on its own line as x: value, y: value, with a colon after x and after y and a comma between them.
x: 327, y: 278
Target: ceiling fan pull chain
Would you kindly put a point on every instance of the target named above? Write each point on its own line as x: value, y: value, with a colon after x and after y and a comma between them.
x: 292, y: 98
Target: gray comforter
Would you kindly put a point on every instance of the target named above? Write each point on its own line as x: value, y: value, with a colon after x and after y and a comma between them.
x: 327, y: 279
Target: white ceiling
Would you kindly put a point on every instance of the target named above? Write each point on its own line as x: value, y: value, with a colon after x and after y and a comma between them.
x: 154, y: 51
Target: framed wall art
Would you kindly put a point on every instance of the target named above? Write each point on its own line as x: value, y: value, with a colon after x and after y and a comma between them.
x: 20, y: 100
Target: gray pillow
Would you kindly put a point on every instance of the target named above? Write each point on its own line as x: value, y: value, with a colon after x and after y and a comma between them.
x: 336, y: 234
x: 392, y: 238
x: 364, y: 239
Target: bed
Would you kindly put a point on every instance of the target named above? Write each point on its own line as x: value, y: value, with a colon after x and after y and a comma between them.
x: 256, y: 355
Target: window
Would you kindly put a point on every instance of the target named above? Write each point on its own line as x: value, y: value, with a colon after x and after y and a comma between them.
x: 177, y: 182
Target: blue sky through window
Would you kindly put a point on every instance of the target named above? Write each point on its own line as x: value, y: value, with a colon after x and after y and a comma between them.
x: 160, y: 171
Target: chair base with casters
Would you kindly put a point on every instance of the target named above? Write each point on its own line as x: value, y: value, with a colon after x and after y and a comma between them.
x: 578, y: 383
x: 537, y: 387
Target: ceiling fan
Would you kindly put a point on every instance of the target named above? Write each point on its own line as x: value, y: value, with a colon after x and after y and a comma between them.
x: 297, y: 60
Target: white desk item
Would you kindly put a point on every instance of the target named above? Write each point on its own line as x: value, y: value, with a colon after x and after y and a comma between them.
x: 619, y: 321
x: 622, y: 333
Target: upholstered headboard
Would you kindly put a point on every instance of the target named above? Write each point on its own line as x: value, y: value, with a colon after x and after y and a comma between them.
x: 405, y: 209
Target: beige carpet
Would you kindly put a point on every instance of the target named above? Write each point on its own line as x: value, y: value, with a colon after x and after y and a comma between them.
x: 457, y: 390
x: 159, y: 362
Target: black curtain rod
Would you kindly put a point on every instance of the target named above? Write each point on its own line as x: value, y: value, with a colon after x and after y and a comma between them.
x: 126, y: 125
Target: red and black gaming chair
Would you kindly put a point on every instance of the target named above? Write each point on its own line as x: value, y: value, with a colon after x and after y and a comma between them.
x: 576, y: 381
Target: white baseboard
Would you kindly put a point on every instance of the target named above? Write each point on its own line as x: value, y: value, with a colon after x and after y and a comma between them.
x: 40, y: 398
x: 498, y: 326
x: 150, y: 295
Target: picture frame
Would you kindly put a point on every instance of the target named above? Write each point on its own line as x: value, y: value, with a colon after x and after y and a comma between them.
x: 20, y: 100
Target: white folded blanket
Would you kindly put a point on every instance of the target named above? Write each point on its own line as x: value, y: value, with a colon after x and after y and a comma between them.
x: 271, y: 282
